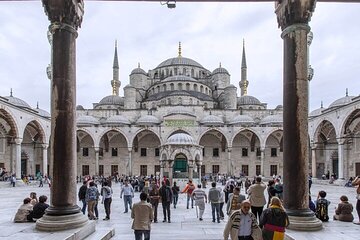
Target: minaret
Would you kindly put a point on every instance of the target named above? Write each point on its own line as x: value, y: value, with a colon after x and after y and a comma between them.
x: 179, y: 50
x: 244, y: 83
x: 115, y: 83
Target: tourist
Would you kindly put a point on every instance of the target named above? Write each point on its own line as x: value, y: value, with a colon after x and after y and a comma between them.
x: 234, y: 202
x: 272, y: 191
x: 279, y: 188
x: 13, y: 180
x: 312, y: 205
x: 322, y: 205
x: 81, y: 195
x: 142, y: 214
x: 274, y: 220
x: 175, y: 189
x: 222, y: 202
x: 344, y: 210
x: 24, y: 211
x: 214, y: 196
x: 91, y: 197
x: 39, y: 208
x: 356, y: 182
x: 247, y: 184
x: 154, y: 196
x: 257, y: 197
x: 34, y: 199
x: 106, y: 193
x: 200, y: 199
x: 166, y: 199
x: 41, y: 184
x: 128, y: 191
x: 189, y: 188
x: 242, y: 224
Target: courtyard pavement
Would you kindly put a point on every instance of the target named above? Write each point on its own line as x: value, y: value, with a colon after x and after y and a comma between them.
x: 184, y: 223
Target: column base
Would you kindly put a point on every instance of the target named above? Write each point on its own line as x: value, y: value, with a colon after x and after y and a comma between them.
x: 303, y: 220
x: 51, y: 223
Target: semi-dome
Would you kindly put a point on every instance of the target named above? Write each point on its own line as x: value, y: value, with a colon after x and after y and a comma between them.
x: 179, y: 78
x: 148, y: 120
x: 181, y: 139
x: 242, y: 119
x: 179, y: 61
x: 272, y: 119
x: 17, y: 102
x: 220, y: 70
x: 316, y: 112
x: 80, y: 107
x: 342, y: 101
x: 112, y: 100
x: 211, y: 120
x: 43, y: 113
x: 138, y: 70
x: 248, y: 100
x: 117, y: 120
x: 279, y: 107
x: 180, y: 110
x: 87, y: 120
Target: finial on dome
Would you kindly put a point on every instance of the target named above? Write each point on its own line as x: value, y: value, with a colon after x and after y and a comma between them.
x: 138, y: 65
x: 347, y: 92
x: 37, y: 105
x: 321, y: 106
x: 11, y: 92
x: 179, y: 49
x: 220, y: 65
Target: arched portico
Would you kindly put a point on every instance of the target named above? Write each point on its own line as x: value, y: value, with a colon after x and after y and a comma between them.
x: 86, y: 160
x: 274, y: 153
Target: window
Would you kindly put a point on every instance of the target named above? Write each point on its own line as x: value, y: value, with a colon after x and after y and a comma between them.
x: 176, y: 71
x: 273, y: 170
x: 157, y: 152
x: 245, y: 170
x: 101, y: 152
x: 258, y: 170
x: 258, y: 152
x: 143, y: 170
x: 244, y: 152
x: 37, y: 168
x: 101, y: 170
x: 114, y: 169
x: 273, y: 152
x: 85, y: 152
x: 157, y: 169
x: 85, y: 170
x: 180, y: 86
x: 172, y: 87
x: 143, y: 152
x: 215, y: 152
x: 215, y: 169
x: 203, y: 150
x: 114, y: 152
x: 203, y: 170
x: 188, y: 87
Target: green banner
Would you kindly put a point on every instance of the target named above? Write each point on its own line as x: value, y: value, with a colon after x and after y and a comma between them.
x: 179, y: 123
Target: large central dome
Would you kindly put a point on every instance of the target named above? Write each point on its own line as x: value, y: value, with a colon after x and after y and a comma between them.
x: 179, y: 61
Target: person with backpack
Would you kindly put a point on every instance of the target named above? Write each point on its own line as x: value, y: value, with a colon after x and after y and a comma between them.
x: 106, y: 193
x: 189, y: 188
x: 235, y: 200
x: 91, y: 196
x: 166, y: 199
x: 322, y: 205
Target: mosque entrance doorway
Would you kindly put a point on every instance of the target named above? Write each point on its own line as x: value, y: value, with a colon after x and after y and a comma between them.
x: 335, y: 165
x: 180, y: 167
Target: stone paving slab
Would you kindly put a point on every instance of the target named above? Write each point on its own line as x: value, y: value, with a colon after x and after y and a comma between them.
x: 184, y: 225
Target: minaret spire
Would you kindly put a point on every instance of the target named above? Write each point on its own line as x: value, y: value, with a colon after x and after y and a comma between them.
x: 115, y: 83
x: 11, y: 92
x: 244, y: 83
x: 179, y: 49
x: 347, y: 92
x: 322, y: 106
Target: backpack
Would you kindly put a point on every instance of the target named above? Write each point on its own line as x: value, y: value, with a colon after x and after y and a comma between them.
x: 322, y: 210
x: 191, y: 189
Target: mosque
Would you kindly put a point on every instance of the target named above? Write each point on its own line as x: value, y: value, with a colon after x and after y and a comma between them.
x: 181, y: 120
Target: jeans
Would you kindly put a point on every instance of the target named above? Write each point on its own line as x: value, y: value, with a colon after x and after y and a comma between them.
x: 83, y: 209
x: 166, y: 208
x: 257, y: 211
x: 221, y: 210
x: 139, y: 234
x: 107, y: 204
x: 155, y: 209
x: 127, y: 200
x: 215, y: 207
x: 175, y: 199
x: 188, y: 199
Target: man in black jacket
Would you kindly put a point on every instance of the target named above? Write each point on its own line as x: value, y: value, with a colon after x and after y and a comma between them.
x: 81, y: 194
x: 166, y: 195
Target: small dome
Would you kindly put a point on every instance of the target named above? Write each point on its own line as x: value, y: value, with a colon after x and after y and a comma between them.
x: 248, y: 100
x: 117, y: 120
x: 43, y: 113
x: 112, y: 100
x: 79, y: 107
x: 242, y: 119
x: 181, y: 139
x: 87, y: 120
x: 342, y: 101
x: 179, y: 61
x: 148, y: 120
x: 316, y: 112
x: 138, y: 70
x: 279, y: 107
x: 179, y: 78
x: 272, y: 119
x: 212, y: 120
x: 18, y: 102
x: 220, y: 70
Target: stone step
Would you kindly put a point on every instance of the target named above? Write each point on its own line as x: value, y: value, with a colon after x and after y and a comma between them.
x: 102, y: 234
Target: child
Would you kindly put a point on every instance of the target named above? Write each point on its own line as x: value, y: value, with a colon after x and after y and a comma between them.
x: 322, y: 205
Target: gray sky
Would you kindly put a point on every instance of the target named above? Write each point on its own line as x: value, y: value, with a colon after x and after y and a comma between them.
x: 149, y: 33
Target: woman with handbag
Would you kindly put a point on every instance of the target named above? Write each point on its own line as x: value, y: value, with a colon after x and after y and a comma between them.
x: 356, y: 182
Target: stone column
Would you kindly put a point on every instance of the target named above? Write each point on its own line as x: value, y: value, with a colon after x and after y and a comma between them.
x: 230, y: 169
x: 262, y: 160
x: 171, y: 170
x: 130, y: 162
x: 65, y: 17
x: 341, y: 160
x: 17, y: 158
x: 97, y: 149
x: 313, y: 162
x: 45, y: 159
x: 293, y: 17
x: 190, y: 169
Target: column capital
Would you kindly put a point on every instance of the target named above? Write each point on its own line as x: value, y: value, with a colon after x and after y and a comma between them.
x: 44, y: 145
x: 65, y: 12
x: 18, y: 141
x: 291, y: 12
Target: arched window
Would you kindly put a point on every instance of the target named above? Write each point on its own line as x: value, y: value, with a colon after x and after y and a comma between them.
x: 175, y: 71
x: 201, y: 89
x: 157, y: 89
x: 195, y: 87
x: 167, y: 72
x: 188, y: 87
x: 164, y: 87
x: 172, y: 87
x: 180, y: 86
x: 170, y: 72
x: 192, y: 72
x: 169, y: 101
x: 184, y: 71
